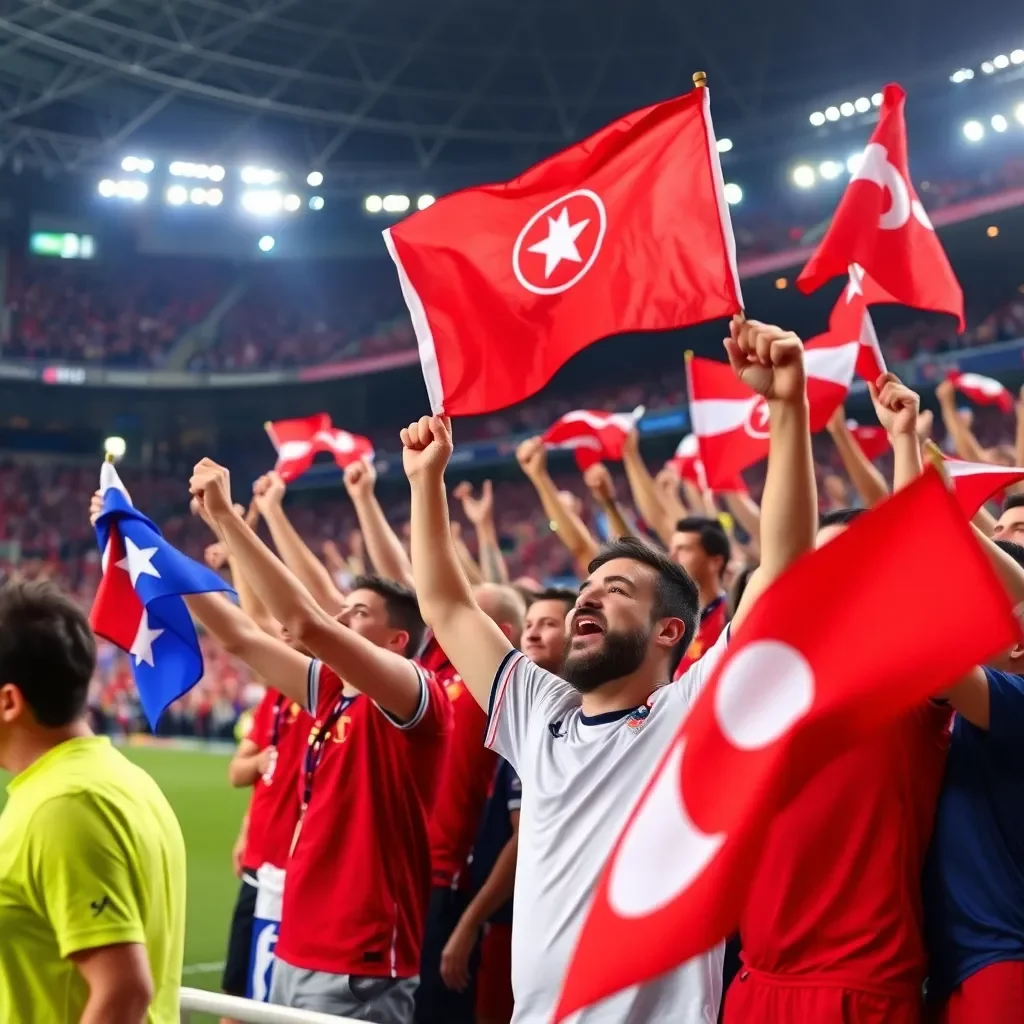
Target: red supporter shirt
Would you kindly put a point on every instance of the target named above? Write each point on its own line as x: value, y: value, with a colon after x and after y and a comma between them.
x: 713, y: 620
x: 465, y: 781
x: 358, y: 880
x: 274, y: 805
x: 836, y: 895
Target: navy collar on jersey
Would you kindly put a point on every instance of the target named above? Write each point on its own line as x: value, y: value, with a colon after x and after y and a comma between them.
x: 605, y: 717
x: 712, y: 607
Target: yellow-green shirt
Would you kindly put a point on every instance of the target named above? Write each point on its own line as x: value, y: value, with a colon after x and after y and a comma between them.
x: 91, y: 855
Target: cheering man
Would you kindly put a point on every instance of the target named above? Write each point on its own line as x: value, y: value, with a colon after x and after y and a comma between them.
x: 583, y: 745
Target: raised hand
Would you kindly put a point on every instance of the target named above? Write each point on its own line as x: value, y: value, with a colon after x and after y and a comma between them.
x: 532, y: 456
x: 215, y: 555
x: 211, y: 487
x: 360, y: 479
x: 599, y: 482
x: 426, y: 447
x: 95, y: 507
x: 895, y: 404
x: 767, y: 359
x: 268, y: 492
x: 478, y: 510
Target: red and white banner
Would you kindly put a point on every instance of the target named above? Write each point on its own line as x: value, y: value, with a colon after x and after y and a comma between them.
x: 974, y: 483
x: 881, y: 225
x: 796, y: 688
x: 593, y: 436
x: 628, y: 230
x: 689, y: 467
x: 981, y: 389
x: 298, y: 441
x: 873, y: 441
x: 851, y: 320
x: 731, y: 421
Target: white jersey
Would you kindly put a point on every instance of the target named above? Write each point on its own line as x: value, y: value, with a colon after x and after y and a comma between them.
x: 581, y: 777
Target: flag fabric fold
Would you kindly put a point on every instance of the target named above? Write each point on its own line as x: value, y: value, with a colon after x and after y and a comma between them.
x: 974, y: 483
x: 851, y: 320
x: 592, y: 436
x: 689, y: 467
x: 796, y: 687
x: 873, y: 440
x: 881, y: 226
x: 628, y: 230
x: 981, y: 389
x: 298, y: 441
x: 138, y: 605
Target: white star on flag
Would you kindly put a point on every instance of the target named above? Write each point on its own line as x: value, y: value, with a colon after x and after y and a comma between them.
x: 856, y: 284
x: 561, y: 242
x: 137, y: 561
x: 142, y: 645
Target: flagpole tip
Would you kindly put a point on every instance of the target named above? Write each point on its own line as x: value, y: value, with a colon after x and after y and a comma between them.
x: 700, y: 79
x: 688, y: 355
x: 267, y: 424
x: 108, y: 457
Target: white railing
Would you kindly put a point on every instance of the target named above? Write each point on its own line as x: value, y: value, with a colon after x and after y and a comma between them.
x: 194, y: 1000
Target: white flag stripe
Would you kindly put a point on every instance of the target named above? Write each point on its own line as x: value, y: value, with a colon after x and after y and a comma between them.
x: 835, y: 365
x: 956, y: 468
x: 712, y: 416
x: 986, y: 385
x: 581, y: 441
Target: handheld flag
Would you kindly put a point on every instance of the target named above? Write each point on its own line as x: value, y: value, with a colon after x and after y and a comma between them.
x: 688, y: 466
x: 851, y: 320
x: 873, y: 441
x: 628, y: 230
x: 981, y: 389
x: 973, y: 483
x: 796, y: 688
x: 881, y: 225
x: 298, y: 441
x: 139, y: 606
x: 593, y: 436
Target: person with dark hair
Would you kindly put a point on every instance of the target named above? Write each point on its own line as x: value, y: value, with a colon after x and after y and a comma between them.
x: 544, y: 631
x: 585, y: 742
x: 701, y: 546
x: 1010, y: 524
x: 974, y: 875
x: 358, y: 877
x: 92, y: 861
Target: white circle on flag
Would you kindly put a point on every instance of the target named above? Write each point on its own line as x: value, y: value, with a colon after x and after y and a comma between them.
x: 561, y: 207
x: 762, y: 691
x: 756, y: 423
x: 662, y: 852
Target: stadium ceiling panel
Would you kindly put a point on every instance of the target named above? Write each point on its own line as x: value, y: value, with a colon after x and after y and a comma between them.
x: 350, y: 86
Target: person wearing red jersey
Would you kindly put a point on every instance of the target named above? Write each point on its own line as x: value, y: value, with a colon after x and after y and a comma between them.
x: 701, y: 546
x: 832, y: 924
x: 359, y: 872
x: 465, y: 783
x: 267, y: 759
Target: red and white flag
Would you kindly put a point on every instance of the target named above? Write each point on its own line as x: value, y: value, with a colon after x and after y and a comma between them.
x: 298, y: 441
x: 593, y: 436
x: 873, y: 441
x: 974, y: 483
x: 981, y: 389
x: 796, y: 688
x: 881, y: 225
x: 689, y: 467
x: 851, y: 319
x: 731, y: 421
x: 628, y: 230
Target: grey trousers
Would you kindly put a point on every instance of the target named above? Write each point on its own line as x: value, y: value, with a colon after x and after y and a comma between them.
x: 380, y: 1000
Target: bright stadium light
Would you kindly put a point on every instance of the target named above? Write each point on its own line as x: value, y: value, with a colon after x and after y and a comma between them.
x: 999, y: 123
x: 832, y: 113
x: 263, y: 202
x: 974, y: 131
x: 373, y: 204
x: 876, y: 99
x: 1017, y: 57
x: 424, y: 201
x: 853, y: 162
x: 817, y: 119
x: 316, y: 202
x: 862, y: 104
x: 961, y: 75
x: 733, y: 193
x: 396, y: 204
x: 216, y: 172
x: 1018, y: 112
x: 804, y: 176
x: 252, y: 175
x: 292, y: 202
x: 214, y: 196
x: 988, y: 67
x: 107, y: 188
x: 846, y: 109
x: 266, y: 243
x: 134, y: 190
x: 314, y: 178
x: 142, y: 164
x: 177, y: 195
x: 197, y: 196
x: 830, y: 169
x: 723, y: 145
x: 115, y: 447
x: 1001, y: 62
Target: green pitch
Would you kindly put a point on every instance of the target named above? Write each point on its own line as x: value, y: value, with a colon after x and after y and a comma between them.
x: 210, y: 812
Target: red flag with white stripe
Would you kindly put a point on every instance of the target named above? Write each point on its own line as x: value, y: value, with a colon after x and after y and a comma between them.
x: 974, y: 483
x: 851, y: 320
x: 795, y: 689
x: 981, y: 389
x: 298, y: 442
x: 593, y: 436
x: 873, y: 441
x: 731, y: 421
x: 689, y: 467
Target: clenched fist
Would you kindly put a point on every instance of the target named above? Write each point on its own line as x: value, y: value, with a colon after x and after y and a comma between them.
x: 211, y: 487
x: 426, y: 447
x: 768, y: 360
x: 268, y: 492
x: 360, y: 478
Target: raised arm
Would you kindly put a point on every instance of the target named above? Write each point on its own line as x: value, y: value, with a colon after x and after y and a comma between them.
x: 897, y: 408
x: 868, y: 481
x: 387, y: 556
x: 660, y: 510
x: 602, y: 489
x: 386, y: 677
x: 268, y: 493
x: 473, y: 642
x: 771, y: 361
x: 480, y: 512
x: 964, y: 441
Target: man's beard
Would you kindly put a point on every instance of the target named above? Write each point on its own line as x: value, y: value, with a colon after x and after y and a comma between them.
x: 620, y: 655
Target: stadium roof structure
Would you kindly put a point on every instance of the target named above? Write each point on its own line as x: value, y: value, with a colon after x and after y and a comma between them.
x: 464, y: 88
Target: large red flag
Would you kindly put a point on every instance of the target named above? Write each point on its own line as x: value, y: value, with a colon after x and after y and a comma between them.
x: 628, y: 230
x: 881, y: 225
x: 731, y: 421
x: 851, y: 319
x: 797, y: 687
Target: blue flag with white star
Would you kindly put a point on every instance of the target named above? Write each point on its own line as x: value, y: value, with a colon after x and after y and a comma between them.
x: 139, y: 606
